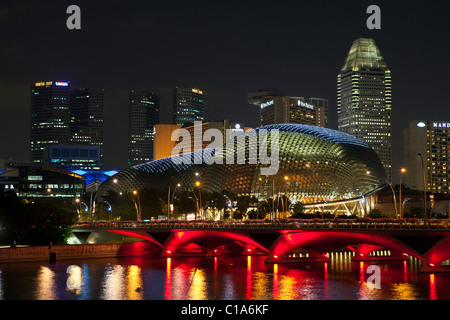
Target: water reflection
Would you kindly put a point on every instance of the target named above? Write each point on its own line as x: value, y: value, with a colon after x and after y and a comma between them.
x: 45, y: 284
x: 1, y: 286
x: 219, y: 278
x: 113, y: 283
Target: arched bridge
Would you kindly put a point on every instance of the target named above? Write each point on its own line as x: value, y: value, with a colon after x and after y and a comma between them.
x: 280, y: 241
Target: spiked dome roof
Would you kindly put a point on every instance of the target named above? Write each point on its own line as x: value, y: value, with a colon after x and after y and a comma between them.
x: 315, y: 165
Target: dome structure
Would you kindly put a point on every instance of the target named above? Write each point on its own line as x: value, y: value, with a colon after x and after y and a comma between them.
x: 313, y: 165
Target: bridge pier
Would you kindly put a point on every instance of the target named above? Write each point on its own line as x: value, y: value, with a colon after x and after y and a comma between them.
x: 431, y: 266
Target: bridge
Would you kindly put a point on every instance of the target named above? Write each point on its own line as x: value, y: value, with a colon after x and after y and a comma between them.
x: 290, y: 240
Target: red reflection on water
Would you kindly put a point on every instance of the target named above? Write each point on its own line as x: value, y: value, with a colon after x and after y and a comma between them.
x: 168, y: 287
x: 249, y: 282
x: 433, y: 295
x: 275, y: 282
x: 325, y: 289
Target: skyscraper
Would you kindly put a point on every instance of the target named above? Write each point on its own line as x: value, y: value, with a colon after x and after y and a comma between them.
x: 425, y: 156
x: 50, y: 117
x: 144, y: 113
x: 364, y: 99
x: 86, y: 112
x: 188, y: 105
x: 276, y: 107
x: 322, y: 114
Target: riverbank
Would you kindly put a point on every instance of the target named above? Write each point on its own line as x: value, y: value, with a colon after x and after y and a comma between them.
x: 76, y: 251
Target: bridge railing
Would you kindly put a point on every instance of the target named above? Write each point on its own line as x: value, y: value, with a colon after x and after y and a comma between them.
x: 287, y: 224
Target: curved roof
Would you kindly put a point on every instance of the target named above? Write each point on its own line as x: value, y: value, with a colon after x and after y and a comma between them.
x: 314, y: 164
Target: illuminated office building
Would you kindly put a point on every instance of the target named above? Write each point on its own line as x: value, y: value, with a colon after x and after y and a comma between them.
x: 364, y: 99
x: 163, y: 144
x: 276, y: 107
x: 86, y: 111
x: 322, y: 114
x: 430, y: 139
x: 71, y: 157
x: 188, y: 105
x: 144, y: 113
x: 50, y: 117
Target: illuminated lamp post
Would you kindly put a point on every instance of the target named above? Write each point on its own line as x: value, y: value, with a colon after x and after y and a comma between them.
x: 92, y: 202
x: 170, y: 199
x: 402, y: 170
x: 77, y: 202
x: 286, y: 179
x: 393, y: 195
x: 137, y: 205
x: 200, y: 208
x: 424, y: 189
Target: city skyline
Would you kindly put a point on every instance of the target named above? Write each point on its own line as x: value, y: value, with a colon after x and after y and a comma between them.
x: 302, y: 58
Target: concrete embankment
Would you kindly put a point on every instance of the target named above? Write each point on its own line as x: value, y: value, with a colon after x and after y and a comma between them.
x: 78, y: 251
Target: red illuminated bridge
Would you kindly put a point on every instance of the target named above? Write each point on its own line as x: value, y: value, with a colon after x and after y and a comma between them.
x: 286, y: 241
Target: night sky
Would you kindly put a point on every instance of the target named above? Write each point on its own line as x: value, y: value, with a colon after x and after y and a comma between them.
x: 226, y: 48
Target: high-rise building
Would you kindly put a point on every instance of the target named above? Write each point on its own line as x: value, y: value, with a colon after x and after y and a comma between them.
x: 164, y: 145
x: 322, y: 114
x: 188, y: 105
x: 364, y: 99
x: 144, y: 113
x: 276, y: 107
x: 286, y: 109
x: 50, y: 117
x: 86, y: 112
x: 427, y: 141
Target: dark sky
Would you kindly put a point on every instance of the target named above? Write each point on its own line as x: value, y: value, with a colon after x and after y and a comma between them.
x: 227, y: 48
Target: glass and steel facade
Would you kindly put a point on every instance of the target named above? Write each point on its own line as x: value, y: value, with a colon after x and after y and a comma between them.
x: 315, y: 165
x: 144, y: 114
x: 364, y: 99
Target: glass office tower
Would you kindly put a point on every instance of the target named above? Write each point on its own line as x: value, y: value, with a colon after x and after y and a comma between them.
x: 364, y: 99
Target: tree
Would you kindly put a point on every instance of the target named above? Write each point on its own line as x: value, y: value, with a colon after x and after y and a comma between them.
x: 374, y: 213
x: 36, y: 222
x: 298, y: 210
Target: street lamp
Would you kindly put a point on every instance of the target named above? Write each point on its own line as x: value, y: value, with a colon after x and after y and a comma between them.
x: 424, y: 189
x: 92, y: 201
x: 137, y: 205
x: 198, y: 184
x: 170, y: 199
x: 402, y: 170
x: 77, y: 202
x: 286, y: 178
x: 393, y: 194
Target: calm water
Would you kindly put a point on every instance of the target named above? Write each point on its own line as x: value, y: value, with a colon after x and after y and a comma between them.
x: 216, y: 278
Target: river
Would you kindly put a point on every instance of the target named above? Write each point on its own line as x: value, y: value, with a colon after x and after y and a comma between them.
x: 218, y: 278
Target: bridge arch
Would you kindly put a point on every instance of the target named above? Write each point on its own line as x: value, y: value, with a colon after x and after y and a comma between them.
x: 437, y: 254
x: 323, y: 241
x: 210, y: 239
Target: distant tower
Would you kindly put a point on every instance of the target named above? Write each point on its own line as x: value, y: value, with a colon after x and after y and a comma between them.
x: 188, y: 105
x: 144, y: 113
x: 364, y: 99
x: 50, y: 117
x: 86, y: 112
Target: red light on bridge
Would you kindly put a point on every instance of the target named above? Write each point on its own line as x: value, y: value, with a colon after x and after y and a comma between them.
x: 275, y: 257
x: 431, y: 264
x: 249, y: 250
x: 169, y: 252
